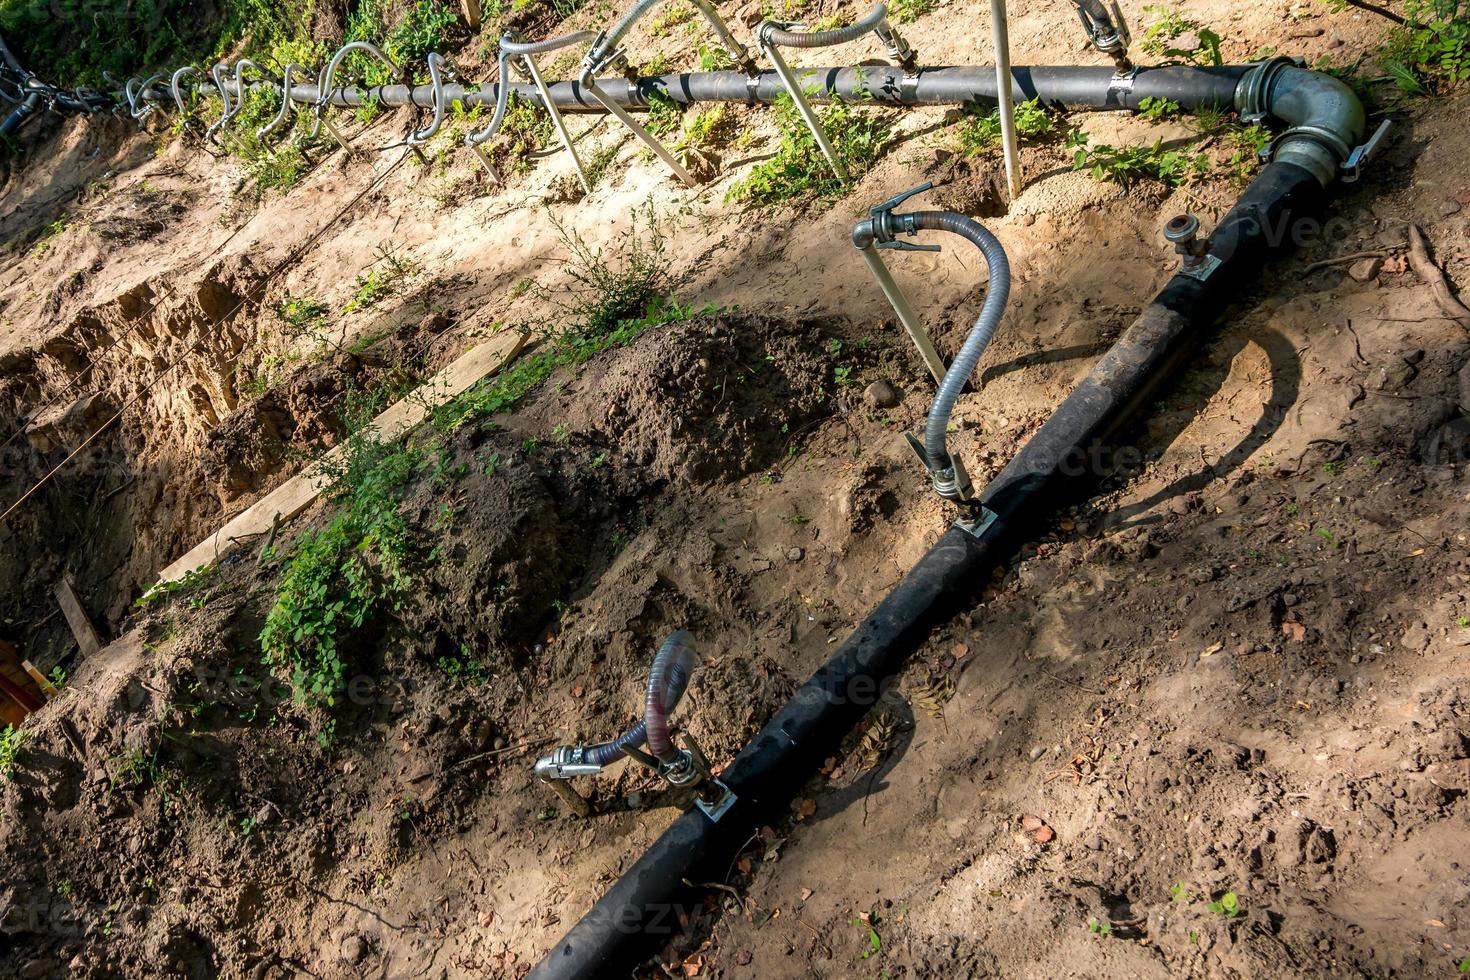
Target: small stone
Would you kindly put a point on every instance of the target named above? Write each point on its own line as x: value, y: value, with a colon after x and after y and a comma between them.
x: 1394, y: 375
x: 633, y: 800
x: 795, y: 554
x: 1027, y: 220
x: 1366, y: 270
x: 1450, y: 207
x: 1038, y: 752
x: 354, y: 948
x: 1187, y: 42
x: 1415, y: 356
x: 880, y: 394
x: 1032, y: 822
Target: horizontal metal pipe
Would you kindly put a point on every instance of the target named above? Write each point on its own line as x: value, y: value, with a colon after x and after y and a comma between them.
x: 1062, y: 87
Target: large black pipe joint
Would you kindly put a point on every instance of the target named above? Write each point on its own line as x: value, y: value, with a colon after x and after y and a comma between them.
x: 1326, y: 119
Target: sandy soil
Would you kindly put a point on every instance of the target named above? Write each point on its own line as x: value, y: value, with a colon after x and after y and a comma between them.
x: 1240, y: 667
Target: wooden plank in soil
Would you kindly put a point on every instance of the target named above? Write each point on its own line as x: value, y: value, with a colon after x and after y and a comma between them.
x: 77, y: 619
x: 298, y: 493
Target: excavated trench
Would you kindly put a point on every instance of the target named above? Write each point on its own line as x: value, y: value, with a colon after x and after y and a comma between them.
x: 203, y: 404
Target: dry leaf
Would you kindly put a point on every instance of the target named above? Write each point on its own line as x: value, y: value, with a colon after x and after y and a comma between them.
x: 1211, y: 650
x: 693, y: 965
x: 744, y: 865
x: 486, y: 917
x: 1416, y: 552
x: 808, y: 807
x: 960, y: 651
x: 1296, y: 632
x: 578, y: 691
x: 806, y: 893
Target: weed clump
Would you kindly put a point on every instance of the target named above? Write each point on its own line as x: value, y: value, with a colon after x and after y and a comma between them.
x: 980, y: 132
x: 798, y: 169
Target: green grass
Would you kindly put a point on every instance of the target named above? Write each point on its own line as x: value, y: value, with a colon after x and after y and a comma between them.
x: 908, y: 11
x: 1167, y: 25
x: 377, y: 284
x: 798, y: 169
x: 337, y: 578
x: 302, y: 314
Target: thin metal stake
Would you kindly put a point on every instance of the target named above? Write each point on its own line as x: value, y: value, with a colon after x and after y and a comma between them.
x: 346, y: 143
x: 557, y: 121
x: 906, y: 314
x: 485, y: 159
x: 805, y: 108
x: 638, y: 131
x: 1003, y: 90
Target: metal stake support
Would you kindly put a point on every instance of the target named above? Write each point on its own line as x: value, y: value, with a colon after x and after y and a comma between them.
x: 648, y: 138
x: 906, y: 314
x: 1003, y: 90
x: 556, y: 121
x: 804, y: 107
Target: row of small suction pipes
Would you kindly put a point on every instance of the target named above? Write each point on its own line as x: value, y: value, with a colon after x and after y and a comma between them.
x: 139, y: 97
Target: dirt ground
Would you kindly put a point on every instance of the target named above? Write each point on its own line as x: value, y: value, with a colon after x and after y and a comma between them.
x: 1242, y: 667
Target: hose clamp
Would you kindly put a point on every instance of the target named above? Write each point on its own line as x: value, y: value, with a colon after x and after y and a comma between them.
x: 1352, y: 167
x: 1253, y: 94
x: 887, y: 226
x: 566, y: 762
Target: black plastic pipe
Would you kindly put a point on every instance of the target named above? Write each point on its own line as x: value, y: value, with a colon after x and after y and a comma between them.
x: 1061, y: 87
x: 641, y: 908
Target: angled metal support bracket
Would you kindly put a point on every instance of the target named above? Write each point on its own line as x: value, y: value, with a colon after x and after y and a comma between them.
x: 590, y: 69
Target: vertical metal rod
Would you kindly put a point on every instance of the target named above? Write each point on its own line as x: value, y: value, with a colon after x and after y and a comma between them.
x: 1003, y: 89
x: 557, y: 121
x: 805, y: 108
x: 906, y: 314
x: 648, y: 138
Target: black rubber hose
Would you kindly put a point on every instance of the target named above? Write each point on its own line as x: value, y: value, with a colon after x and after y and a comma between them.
x: 641, y: 908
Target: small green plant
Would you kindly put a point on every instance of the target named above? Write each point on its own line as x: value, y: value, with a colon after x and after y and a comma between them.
x: 1430, y: 53
x: 247, y: 826
x: 875, y: 941
x: 189, y: 581
x: 798, y: 169
x: 1463, y: 622
x: 1227, y: 905
x: 464, y: 669
x: 1179, y: 893
x: 665, y: 116
x: 1156, y: 110
x: 12, y: 740
x: 49, y: 234
x: 1132, y: 164
x: 1292, y: 510
x: 980, y: 132
x: 377, y: 284
x: 1168, y: 27
x: 339, y: 577
x: 1100, y: 927
x: 302, y: 315
x: 1327, y: 536
x: 908, y: 11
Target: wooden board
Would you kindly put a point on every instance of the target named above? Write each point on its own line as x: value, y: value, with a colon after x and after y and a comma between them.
x: 298, y: 493
x: 77, y: 619
x: 19, y: 695
x: 472, y: 13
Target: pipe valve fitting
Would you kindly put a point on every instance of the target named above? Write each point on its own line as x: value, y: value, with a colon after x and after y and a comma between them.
x: 885, y: 226
x: 1194, y: 252
x: 1108, y: 31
